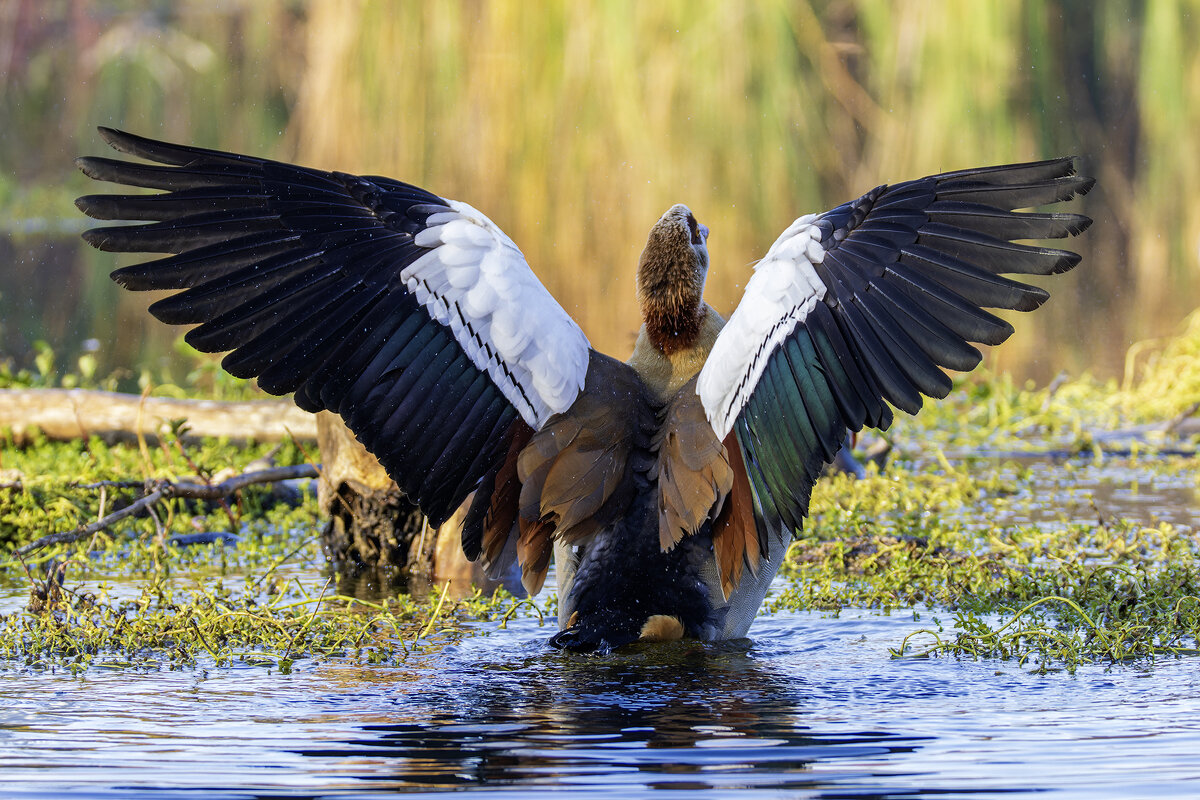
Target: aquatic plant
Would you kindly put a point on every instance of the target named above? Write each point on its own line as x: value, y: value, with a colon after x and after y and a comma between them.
x: 956, y: 539
x: 1056, y: 593
x: 173, y: 625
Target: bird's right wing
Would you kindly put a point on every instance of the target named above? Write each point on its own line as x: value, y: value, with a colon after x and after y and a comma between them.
x: 412, y: 316
x: 864, y: 306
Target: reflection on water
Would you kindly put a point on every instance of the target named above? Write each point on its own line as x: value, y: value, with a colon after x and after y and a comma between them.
x: 1080, y: 490
x: 814, y: 707
x: 686, y: 717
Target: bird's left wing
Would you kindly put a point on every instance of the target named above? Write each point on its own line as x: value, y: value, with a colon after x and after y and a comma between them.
x: 412, y: 316
x: 864, y: 306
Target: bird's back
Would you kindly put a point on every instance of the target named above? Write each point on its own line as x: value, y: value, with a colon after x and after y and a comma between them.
x: 622, y: 573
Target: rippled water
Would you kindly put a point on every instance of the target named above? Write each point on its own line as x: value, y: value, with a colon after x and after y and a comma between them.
x: 813, y: 706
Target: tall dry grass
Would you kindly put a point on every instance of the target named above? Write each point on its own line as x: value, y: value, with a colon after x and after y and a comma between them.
x: 575, y: 124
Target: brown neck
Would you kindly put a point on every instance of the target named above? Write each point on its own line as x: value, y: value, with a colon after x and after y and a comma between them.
x: 672, y: 329
x: 669, y: 289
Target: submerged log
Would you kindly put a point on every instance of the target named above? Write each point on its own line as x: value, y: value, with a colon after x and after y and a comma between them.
x: 375, y: 536
x: 64, y: 414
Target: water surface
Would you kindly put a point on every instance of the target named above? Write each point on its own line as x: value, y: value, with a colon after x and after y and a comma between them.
x: 812, y: 707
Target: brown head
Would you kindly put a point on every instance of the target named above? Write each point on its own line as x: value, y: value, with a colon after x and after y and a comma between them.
x: 670, y: 279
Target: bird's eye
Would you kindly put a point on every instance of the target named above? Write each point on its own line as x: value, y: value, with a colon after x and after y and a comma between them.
x: 695, y: 228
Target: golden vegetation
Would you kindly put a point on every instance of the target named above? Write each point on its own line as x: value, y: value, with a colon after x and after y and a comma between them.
x: 574, y: 125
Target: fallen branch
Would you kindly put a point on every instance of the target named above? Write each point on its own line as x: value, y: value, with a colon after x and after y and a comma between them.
x: 79, y: 413
x: 162, y: 490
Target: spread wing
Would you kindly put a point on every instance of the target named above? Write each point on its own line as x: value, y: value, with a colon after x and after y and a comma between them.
x: 410, y: 315
x: 865, y: 305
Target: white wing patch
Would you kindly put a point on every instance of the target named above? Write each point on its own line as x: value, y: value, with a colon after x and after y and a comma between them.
x: 475, y: 281
x: 780, y: 294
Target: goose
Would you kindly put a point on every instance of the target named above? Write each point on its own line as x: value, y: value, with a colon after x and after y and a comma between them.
x: 667, y: 487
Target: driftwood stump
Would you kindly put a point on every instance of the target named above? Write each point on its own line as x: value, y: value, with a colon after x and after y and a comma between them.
x: 375, y: 535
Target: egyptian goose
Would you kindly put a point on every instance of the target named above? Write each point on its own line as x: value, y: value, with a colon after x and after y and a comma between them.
x: 667, y: 487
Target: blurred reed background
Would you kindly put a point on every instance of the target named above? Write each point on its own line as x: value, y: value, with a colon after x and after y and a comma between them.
x: 574, y: 125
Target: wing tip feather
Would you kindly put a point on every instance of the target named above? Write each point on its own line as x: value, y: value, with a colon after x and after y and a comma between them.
x: 106, y: 239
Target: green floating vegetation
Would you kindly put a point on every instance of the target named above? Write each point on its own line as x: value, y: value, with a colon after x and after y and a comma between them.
x: 166, y: 626
x: 58, y: 486
x: 142, y: 595
x: 1039, y: 576
x: 1058, y: 630
x: 1055, y: 592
